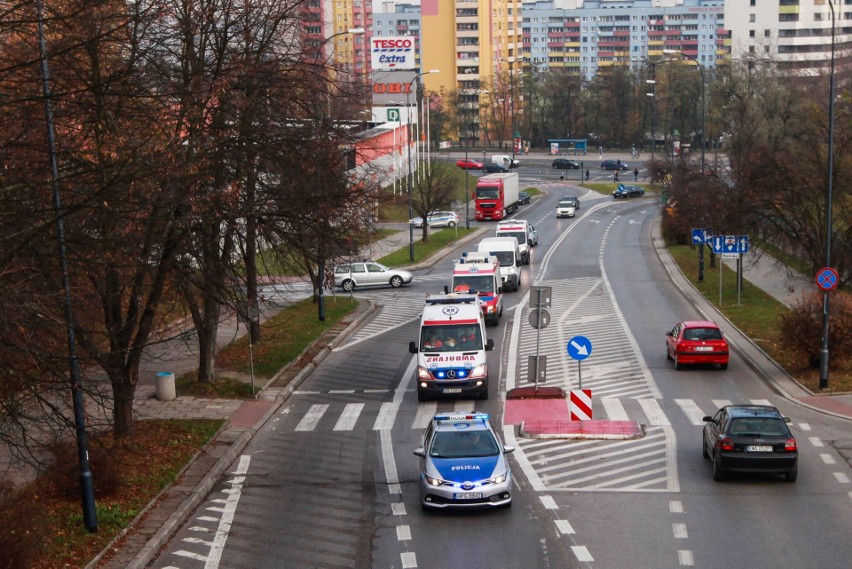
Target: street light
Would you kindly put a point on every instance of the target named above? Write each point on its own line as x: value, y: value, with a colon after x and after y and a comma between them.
x: 703, y: 102
x: 823, y: 353
x: 408, y: 138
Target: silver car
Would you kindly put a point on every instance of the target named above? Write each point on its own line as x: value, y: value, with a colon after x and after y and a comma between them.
x: 463, y: 464
x: 369, y: 274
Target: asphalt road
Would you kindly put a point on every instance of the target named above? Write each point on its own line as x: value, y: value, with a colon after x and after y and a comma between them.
x: 330, y: 481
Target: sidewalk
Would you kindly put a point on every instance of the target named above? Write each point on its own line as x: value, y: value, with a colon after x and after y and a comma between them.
x: 154, y: 526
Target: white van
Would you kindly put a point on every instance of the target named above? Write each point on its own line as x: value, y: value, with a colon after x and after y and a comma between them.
x: 508, y: 252
x: 521, y: 230
x: 451, y: 348
x: 506, y: 160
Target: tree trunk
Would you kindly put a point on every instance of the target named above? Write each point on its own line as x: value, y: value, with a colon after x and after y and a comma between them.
x: 123, y: 390
x: 208, y: 334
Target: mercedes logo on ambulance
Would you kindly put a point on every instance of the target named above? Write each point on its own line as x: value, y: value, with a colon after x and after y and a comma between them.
x: 450, y: 310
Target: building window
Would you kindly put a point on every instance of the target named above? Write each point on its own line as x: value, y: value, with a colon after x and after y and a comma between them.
x: 766, y: 33
x: 751, y: 33
x: 751, y: 18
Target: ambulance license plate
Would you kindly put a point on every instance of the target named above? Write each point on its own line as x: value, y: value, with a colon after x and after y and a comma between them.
x: 452, y: 390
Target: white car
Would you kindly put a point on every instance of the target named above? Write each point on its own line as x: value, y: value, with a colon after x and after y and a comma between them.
x: 369, y: 274
x: 438, y: 219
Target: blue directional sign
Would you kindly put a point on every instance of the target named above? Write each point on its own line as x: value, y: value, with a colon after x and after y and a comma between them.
x: 700, y: 236
x: 730, y: 243
x: 579, y: 347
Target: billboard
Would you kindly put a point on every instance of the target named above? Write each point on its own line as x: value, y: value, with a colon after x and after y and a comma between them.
x: 394, y: 88
x: 392, y: 52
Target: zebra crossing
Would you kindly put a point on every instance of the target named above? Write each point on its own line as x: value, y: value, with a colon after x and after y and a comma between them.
x: 394, y: 308
x: 647, y: 464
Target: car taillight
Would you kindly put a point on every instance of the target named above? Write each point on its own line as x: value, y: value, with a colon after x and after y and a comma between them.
x: 790, y: 445
x: 726, y: 444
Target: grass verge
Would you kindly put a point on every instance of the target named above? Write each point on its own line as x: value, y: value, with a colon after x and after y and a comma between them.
x: 437, y: 241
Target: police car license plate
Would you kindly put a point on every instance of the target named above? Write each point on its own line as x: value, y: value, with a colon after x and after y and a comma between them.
x: 468, y: 496
x: 452, y: 390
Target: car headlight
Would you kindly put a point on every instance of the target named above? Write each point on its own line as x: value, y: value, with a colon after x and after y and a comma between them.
x: 423, y: 373
x: 432, y: 481
x: 479, y: 371
x: 489, y: 309
x: 500, y: 478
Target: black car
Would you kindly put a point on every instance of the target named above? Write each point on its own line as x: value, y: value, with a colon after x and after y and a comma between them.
x: 524, y: 198
x: 628, y: 191
x: 494, y: 168
x: 614, y: 165
x: 750, y: 438
x: 565, y: 164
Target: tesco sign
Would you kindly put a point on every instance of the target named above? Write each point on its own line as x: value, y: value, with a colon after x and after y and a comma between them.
x: 392, y: 53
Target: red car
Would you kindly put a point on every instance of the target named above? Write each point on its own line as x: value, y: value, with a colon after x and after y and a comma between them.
x: 697, y: 342
x: 469, y: 164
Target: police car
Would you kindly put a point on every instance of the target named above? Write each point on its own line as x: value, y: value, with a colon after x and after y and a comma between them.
x: 463, y: 464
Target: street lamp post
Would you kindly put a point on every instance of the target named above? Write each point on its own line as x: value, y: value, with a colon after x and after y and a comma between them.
x: 653, y: 95
x: 408, y: 138
x: 823, y: 353
x: 703, y: 101
x: 512, y: 96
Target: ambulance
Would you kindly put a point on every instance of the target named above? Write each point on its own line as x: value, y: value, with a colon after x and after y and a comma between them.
x: 480, y: 273
x: 451, y: 348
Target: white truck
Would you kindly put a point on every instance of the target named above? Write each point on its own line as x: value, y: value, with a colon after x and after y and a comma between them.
x: 505, y: 160
x: 508, y: 253
x: 496, y: 196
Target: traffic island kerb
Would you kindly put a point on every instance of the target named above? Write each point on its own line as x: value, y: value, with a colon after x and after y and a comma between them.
x: 536, y: 393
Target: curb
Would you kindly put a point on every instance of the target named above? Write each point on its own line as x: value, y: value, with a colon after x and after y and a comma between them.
x: 203, y: 487
x: 774, y: 378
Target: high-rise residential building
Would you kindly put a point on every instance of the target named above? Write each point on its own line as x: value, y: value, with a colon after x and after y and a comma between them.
x: 472, y: 43
x: 326, y: 25
x: 796, y: 35
x: 601, y: 34
x: 399, y: 19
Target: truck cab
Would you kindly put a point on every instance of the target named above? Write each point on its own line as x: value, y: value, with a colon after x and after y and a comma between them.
x: 450, y: 348
x: 479, y: 273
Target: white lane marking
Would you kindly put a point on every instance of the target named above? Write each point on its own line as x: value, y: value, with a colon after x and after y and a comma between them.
x: 679, y: 531
x: 409, y: 560
x: 675, y: 506
x: 312, y: 417
x: 403, y: 533
x: 200, y: 529
x: 684, y: 557
x: 522, y: 460
x: 691, y: 410
x: 719, y: 403
x: 197, y: 540
x: 218, y: 547
x: 816, y: 441
x: 582, y: 553
x: 386, y: 417
x: 189, y: 555
x: 464, y: 406
x: 398, y: 508
x: 548, y: 502
x: 761, y: 402
x: 827, y: 458
x: 207, y: 519
x: 805, y: 426
x: 347, y: 419
x: 654, y: 412
x: 425, y: 412
x: 338, y: 391
x: 564, y: 527
x: 388, y: 459
x: 614, y: 410
x: 841, y: 477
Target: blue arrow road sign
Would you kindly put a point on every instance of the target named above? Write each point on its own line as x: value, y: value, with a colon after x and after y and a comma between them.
x: 742, y: 243
x: 700, y: 236
x: 579, y: 347
x: 718, y: 243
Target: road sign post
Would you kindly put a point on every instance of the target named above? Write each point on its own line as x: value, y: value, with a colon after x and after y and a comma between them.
x: 539, y: 300
x: 579, y: 348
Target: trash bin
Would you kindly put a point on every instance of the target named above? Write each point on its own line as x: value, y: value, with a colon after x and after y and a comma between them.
x: 166, y: 386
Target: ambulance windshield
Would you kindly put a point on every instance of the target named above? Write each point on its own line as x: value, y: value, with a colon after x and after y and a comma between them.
x: 450, y: 338
x: 474, y: 283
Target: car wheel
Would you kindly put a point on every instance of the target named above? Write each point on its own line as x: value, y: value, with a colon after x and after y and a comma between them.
x: 718, y: 474
x: 676, y: 363
x: 793, y: 475
x: 483, y: 395
x: 668, y: 355
x: 422, y: 396
x: 348, y: 285
x: 704, y: 452
x: 396, y: 281
x: 507, y: 505
x: 451, y: 224
x: 723, y: 366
